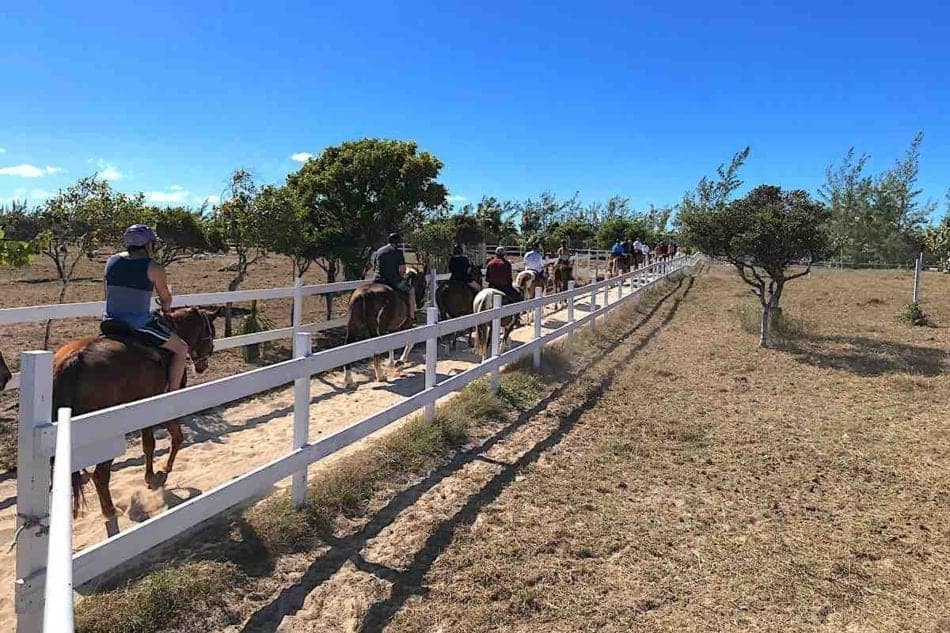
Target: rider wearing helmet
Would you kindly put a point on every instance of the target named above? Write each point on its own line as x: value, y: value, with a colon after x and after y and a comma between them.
x: 130, y: 278
x: 389, y: 267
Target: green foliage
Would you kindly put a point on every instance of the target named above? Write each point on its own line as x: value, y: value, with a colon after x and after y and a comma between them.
x: 365, y: 189
x: 620, y: 228
x: 913, y: 314
x: 876, y: 218
x: 937, y: 240
x: 183, y: 232
x: 762, y: 235
x: 16, y: 253
x: 286, y: 228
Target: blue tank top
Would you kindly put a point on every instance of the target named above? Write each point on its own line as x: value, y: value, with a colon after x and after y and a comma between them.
x: 128, y: 290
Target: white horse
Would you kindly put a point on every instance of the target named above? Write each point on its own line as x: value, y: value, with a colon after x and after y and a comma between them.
x: 485, y: 300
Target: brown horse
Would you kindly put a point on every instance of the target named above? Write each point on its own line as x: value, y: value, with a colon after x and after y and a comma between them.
x: 376, y: 309
x: 5, y: 374
x: 563, y: 273
x: 95, y: 373
x: 455, y: 298
x: 485, y: 301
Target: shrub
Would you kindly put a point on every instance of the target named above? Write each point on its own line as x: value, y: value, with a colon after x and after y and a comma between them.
x: 913, y: 314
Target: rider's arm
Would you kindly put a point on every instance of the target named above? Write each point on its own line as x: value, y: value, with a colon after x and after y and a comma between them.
x: 157, y: 275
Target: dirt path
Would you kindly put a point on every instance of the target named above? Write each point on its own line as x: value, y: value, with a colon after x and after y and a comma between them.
x: 227, y: 442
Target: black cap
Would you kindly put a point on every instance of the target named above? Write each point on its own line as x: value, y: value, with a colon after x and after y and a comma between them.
x: 395, y: 238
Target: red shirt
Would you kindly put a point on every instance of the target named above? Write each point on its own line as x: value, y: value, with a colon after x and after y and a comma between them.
x: 498, y: 272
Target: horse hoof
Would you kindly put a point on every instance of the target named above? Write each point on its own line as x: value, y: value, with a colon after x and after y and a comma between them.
x: 157, y: 480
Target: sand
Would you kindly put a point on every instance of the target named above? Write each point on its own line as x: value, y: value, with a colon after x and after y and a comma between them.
x: 224, y: 443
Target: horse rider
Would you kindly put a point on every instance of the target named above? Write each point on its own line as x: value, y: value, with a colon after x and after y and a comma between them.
x: 389, y: 268
x: 637, y: 250
x: 627, y: 246
x: 563, y: 253
x: 534, y: 260
x: 460, y: 268
x: 616, y: 254
x: 130, y: 278
x: 498, y: 275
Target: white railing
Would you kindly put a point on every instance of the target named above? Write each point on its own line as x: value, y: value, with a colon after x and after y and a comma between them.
x: 298, y: 293
x: 100, y: 435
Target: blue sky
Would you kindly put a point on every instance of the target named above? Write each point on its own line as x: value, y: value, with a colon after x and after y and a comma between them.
x: 631, y: 98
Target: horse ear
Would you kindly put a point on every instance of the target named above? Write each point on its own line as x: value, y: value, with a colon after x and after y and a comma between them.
x: 214, y: 313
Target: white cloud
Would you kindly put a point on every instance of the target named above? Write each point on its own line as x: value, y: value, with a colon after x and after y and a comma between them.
x: 26, y: 170
x: 176, y: 188
x: 173, y: 196
x: 108, y: 171
x: 457, y: 199
x: 212, y: 199
x: 30, y: 195
x: 301, y: 157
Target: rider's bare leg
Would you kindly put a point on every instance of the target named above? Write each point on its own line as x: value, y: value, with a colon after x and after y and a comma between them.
x: 176, y: 370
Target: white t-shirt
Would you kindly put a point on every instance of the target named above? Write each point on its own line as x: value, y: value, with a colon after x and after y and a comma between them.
x: 533, y: 260
x: 638, y: 246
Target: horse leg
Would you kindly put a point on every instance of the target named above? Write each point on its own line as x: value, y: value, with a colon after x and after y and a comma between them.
x: 101, y: 478
x: 177, y: 437
x: 405, y: 354
x: 378, y: 369
x: 148, y: 447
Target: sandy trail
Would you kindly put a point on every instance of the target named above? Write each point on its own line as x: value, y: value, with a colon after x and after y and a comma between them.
x: 224, y: 443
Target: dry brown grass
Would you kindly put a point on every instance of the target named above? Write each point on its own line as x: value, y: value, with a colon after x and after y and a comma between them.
x: 709, y: 485
x: 222, y: 574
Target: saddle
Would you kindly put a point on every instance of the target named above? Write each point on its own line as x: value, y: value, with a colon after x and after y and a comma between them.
x: 140, y: 344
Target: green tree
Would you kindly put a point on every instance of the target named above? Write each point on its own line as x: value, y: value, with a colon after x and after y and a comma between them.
x: 237, y: 224
x: 496, y: 220
x: 72, y: 223
x: 362, y: 190
x: 937, y: 240
x: 183, y: 231
x: 762, y: 235
x: 876, y: 218
x: 617, y: 229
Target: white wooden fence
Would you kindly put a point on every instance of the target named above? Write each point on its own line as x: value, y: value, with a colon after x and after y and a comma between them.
x: 44, y: 562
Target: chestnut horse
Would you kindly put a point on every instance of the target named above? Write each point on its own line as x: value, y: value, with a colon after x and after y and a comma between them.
x: 99, y: 372
x: 376, y: 309
x: 5, y: 374
x: 563, y: 273
x: 455, y: 298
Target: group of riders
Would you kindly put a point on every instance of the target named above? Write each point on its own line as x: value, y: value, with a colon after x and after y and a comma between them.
x: 132, y: 276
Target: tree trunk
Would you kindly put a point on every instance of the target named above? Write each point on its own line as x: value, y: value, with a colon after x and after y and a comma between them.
x: 49, y: 323
x: 252, y: 353
x: 331, y: 278
x: 232, y: 286
x: 764, y: 331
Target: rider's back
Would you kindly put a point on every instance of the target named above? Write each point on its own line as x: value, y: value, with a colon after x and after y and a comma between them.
x: 128, y: 289
x: 387, y: 261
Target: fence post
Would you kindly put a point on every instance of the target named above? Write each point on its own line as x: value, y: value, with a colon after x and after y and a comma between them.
x: 432, y: 356
x: 33, y: 481
x: 918, y: 273
x: 495, y: 341
x: 298, y: 304
x: 593, y: 307
x: 433, y: 286
x: 570, y: 302
x: 537, y: 329
x: 606, y: 294
x: 302, y: 348
x: 58, y: 602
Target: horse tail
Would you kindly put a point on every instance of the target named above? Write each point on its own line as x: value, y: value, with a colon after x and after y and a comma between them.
x: 66, y: 377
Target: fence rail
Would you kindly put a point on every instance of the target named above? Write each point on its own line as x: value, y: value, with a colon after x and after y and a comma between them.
x: 40, y: 438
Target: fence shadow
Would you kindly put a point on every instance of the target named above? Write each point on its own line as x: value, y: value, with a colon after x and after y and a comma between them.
x: 409, y: 582
x: 865, y: 356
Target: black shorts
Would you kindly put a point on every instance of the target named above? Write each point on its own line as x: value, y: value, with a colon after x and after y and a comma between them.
x: 155, y: 332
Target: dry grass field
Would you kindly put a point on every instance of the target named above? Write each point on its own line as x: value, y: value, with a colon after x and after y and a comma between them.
x: 703, y: 484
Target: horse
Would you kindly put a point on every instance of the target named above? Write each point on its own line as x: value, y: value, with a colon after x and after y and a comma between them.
x: 485, y: 300
x: 660, y: 252
x: 100, y: 372
x: 563, y: 273
x: 5, y: 374
x: 527, y: 282
x: 375, y: 309
x: 455, y: 299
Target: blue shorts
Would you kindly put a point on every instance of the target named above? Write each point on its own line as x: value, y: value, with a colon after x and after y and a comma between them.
x: 157, y: 330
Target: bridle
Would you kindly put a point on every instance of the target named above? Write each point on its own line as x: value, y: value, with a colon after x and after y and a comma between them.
x: 207, y: 336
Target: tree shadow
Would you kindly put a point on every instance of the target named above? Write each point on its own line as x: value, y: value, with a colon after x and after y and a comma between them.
x: 865, y: 356
x: 410, y: 581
